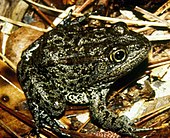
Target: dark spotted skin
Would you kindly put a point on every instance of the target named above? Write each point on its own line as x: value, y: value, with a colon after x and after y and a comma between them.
x: 78, y: 65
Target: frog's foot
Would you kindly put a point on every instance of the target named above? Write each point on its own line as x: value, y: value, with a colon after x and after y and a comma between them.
x: 122, y: 125
x: 55, y: 127
x: 45, y: 120
x: 106, y: 119
x: 125, y: 126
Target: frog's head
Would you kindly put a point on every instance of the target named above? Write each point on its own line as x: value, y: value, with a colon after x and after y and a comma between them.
x: 125, y: 50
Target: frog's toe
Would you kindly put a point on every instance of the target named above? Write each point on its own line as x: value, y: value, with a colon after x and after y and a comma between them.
x: 123, y: 126
x: 55, y: 128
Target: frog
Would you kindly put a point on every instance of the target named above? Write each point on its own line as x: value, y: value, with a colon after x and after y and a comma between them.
x: 78, y: 64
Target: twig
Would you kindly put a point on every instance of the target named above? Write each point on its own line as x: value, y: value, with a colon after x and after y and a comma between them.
x: 152, y: 62
x: 84, y: 124
x: 143, y: 29
x: 158, y: 37
x: 139, y: 23
x: 43, y: 16
x: 25, y: 119
x: 146, y: 13
x: 153, y: 113
x: 22, y: 24
x: 163, y: 8
x: 43, y: 6
x: 87, y: 2
x: 160, y: 63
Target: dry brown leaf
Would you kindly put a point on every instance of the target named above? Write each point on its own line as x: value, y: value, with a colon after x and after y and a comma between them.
x: 20, y: 40
x: 8, y: 74
x: 12, y: 97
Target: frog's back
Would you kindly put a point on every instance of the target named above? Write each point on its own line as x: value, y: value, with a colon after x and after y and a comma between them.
x: 71, y: 60
x: 76, y: 59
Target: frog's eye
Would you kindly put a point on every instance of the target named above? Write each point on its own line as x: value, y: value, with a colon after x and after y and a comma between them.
x: 118, y: 55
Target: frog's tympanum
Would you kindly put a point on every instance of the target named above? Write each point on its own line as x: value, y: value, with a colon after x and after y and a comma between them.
x: 78, y: 65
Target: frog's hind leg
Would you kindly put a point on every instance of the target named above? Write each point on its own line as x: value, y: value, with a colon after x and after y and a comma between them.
x: 45, y: 114
x: 46, y: 104
x: 53, y: 107
x: 106, y: 119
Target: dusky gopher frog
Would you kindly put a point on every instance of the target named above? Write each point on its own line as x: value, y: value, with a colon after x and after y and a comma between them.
x: 78, y: 65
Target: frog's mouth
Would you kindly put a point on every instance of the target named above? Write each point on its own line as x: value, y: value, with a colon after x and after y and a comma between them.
x: 126, y: 79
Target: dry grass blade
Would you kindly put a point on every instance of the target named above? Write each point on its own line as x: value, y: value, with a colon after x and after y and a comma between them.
x: 8, y: 62
x: 151, y: 15
x: 11, y: 83
x: 152, y: 114
x: 8, y: 130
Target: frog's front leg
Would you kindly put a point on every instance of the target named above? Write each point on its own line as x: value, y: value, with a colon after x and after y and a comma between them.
x: 106, y: 119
